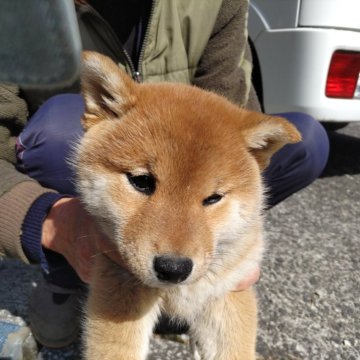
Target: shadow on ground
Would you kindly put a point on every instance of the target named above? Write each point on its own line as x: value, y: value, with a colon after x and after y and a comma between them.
x: 344, y: 155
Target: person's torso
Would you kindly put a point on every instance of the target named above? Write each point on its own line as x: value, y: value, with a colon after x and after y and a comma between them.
x: 166, y: 45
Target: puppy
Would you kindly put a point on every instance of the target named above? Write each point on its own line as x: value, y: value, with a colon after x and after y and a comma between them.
x: 172, y: 174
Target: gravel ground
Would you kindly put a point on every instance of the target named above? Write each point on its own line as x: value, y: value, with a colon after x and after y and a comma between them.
x: 309, y: 292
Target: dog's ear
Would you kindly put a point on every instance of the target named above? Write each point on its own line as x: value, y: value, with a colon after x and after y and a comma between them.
x: 108, y: 91
x: 265, y: 134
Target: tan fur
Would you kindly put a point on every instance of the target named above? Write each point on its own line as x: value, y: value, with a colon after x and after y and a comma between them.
x: 195, y: 143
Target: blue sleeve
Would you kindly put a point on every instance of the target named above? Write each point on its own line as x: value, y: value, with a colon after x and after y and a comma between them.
x: 32, y: 228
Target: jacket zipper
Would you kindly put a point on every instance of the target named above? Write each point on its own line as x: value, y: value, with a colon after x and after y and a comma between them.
x: 137, y: 74
x: 134, y: 72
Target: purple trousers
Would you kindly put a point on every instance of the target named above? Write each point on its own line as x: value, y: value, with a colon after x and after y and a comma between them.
x: 46, y: 143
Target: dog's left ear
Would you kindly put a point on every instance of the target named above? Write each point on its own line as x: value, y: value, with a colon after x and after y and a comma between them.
x: 108, y: 91
x: 264, y: 135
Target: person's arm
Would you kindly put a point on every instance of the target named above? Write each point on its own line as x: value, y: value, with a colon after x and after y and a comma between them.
x: 34, y: 219
x: 225, y: 66
x: 25, y: 205
x: 17, y: 191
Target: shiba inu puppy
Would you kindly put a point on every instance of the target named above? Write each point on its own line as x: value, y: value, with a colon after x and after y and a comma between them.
x: 172, y: 174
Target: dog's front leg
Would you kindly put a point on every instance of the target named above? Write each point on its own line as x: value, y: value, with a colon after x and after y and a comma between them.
x: 226, y: 329
x: 120, y: 315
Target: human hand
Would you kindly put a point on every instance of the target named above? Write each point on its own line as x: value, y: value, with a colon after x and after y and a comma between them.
x: 251, y: 278
x: 70, y: 230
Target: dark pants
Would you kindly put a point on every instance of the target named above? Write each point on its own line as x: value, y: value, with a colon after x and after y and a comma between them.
x: 46, y: 143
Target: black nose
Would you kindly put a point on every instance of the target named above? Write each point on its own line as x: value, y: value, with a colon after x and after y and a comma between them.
x: 172, y: 268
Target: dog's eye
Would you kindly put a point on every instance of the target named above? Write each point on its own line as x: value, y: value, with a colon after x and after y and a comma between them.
x: 212, y: 199
x: 145, y: 184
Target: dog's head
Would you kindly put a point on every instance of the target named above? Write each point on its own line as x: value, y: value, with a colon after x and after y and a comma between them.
x: 173, y: 173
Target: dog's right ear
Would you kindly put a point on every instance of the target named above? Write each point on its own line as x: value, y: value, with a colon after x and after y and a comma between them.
x: 107, y: 90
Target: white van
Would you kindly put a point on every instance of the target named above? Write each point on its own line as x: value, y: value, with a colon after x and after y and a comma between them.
x: 307, y: 56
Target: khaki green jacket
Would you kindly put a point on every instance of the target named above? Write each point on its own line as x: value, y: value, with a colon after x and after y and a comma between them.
x: 199, y: 42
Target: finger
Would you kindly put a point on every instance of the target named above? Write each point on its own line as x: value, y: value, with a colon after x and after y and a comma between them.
x: 84, y: 273
x: 249, y: 280
x: 109, y: 249
x: 82, y: 267
x: 86, y: 279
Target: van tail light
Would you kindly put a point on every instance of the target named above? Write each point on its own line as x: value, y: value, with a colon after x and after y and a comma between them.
x: 343, y: 75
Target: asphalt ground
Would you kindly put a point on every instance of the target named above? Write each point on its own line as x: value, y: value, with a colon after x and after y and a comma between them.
x: 309, y: 291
